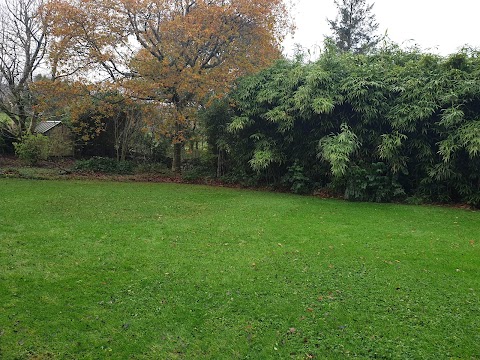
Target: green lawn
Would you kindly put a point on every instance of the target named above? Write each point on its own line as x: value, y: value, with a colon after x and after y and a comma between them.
x: 94, y: 270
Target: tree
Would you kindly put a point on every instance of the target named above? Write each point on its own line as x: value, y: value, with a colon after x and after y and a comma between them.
x: 23, y: 40
x: 354, y: 27
x: 190, y: 50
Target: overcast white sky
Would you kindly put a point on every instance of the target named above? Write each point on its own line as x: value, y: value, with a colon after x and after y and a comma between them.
x: 439, y: 26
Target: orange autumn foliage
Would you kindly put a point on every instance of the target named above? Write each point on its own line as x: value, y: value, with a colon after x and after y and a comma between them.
x: 175, y: 53
x: 71, y: 101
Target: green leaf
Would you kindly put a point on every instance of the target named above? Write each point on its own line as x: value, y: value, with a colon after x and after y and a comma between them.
x: 323, y: 105
x: 261, y: 159
x: 338, y: 148
x: 302, y: 98
x: 239, y: 123
x: 447, y: 147
x: 452, y: 116
x: 470, y: 138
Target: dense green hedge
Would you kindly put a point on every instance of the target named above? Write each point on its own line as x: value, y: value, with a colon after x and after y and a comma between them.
x: 378, y: 127
x: 104, y: 165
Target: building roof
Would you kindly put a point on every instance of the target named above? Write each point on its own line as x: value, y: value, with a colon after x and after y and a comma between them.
x: 45, y: 126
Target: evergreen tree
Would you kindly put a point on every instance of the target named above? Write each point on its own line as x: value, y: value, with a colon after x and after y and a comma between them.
x: 354, y: 27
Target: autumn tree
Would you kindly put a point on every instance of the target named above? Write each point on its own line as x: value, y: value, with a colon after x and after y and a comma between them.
x: 354, y: 27
x: 190, y: 50
x: 23, y: 40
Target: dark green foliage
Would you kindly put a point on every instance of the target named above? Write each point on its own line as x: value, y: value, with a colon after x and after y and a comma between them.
x: 196, y: 174
x: 198, y: 168
x: 32, y: 148
x: 215, y: 119
x: 147, y: 148
x: 153, y: 168
x: 242, y: 178
x: 105, y: 165
x: 372, y: 183
x: 3, y: 144
x: 296, y: 180
x: 416, y: 114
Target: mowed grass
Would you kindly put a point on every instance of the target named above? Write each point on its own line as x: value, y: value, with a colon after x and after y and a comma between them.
x: 96, y: 270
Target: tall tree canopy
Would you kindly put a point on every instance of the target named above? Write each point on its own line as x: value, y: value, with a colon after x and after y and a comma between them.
x: 184, y: 52
x: 22, y: 47
x: 354, y: 27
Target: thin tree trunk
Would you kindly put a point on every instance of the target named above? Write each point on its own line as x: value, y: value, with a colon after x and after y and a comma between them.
x: 177, y: 158
x: 220, y: 163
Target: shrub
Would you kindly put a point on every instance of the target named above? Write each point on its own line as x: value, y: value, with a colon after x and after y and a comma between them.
x: 105, y: 165
x: 195, y: 174
x: 372, y: 183
x: 198, y: 168
x: 32, y: 148
x: 240, y: 177
x: 153, y: 168
x: 296, y: 180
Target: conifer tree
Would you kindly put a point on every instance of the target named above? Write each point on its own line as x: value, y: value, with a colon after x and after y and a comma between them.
x: 354, y: 27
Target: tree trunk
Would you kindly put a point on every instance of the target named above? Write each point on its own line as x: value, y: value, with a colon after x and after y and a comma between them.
x: 220, y: 163
x: 177, y: 158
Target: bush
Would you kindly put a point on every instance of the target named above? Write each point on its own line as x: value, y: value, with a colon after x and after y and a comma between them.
x: 372, y: 183
x: 153, y: 168
x: 198, y: 168
x: 240, y: 177
x: 32, y: 148
x: 296, y: 179
x: 104, y: 165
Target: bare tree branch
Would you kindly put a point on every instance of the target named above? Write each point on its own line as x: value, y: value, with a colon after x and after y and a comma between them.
x: 23, y: 40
